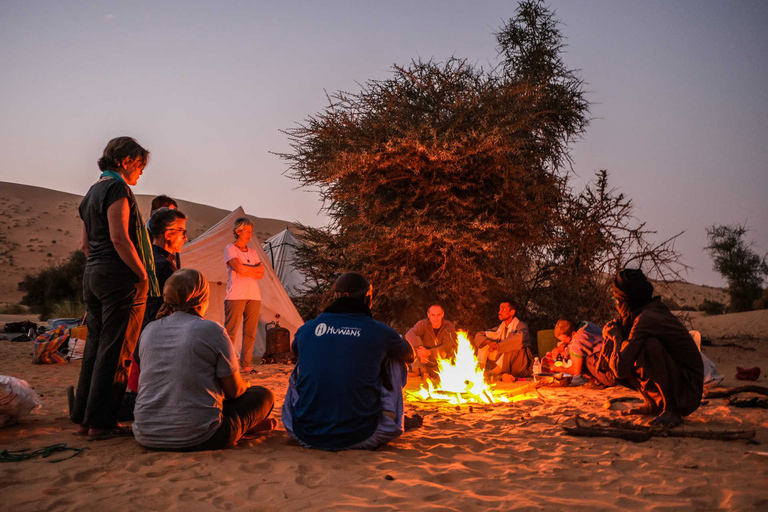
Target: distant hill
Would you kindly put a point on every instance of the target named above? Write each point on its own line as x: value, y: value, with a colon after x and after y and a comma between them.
x: 40, y: 227
x: 687, y: 294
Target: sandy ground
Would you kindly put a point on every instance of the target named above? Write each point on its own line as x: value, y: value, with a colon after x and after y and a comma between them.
x: 506, y: 457
x: 40, y: 227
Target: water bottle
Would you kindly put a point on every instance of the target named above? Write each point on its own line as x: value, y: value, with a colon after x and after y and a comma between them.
x: 536, y: 369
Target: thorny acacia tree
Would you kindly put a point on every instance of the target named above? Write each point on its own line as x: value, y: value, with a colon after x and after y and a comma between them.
x: 449, y: 183
x: 741, y: 267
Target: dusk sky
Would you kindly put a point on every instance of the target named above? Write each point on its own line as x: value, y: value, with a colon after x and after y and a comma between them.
x: 679, y: 93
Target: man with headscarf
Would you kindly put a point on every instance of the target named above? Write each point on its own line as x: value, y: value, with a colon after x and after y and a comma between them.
x: 191, y: 395
x: 345, y: 392
x: 653, y: 351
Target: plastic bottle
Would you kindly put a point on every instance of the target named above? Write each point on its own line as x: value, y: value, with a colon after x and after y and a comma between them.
x: 536, y: 368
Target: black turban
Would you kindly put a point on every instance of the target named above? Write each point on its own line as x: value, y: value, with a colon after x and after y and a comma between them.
x: 632, y: 288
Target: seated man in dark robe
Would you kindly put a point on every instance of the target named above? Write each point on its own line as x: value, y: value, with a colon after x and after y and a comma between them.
x: 432, y: 338
x: 654, y: 352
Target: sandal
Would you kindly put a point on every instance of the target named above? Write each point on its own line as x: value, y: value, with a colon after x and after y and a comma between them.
x: 99, y: 434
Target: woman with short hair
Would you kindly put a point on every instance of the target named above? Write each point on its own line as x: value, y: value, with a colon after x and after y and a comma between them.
x: 119, y: 273
x: 243, y: 300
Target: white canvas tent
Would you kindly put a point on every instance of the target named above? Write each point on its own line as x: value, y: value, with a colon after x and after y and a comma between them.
x: 206, y: 254
x: 281, y: 250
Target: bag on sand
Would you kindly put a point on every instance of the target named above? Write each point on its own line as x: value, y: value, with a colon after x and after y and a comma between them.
x: 47, y: 346
x: 17, y: 400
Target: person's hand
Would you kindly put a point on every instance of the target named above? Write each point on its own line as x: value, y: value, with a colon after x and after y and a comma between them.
x: 493, y: 346
x: 506, y: 377
x: 612, y: 330
x: 423, y: 354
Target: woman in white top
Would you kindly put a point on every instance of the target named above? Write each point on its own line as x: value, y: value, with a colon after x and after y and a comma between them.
x: 243, y: 300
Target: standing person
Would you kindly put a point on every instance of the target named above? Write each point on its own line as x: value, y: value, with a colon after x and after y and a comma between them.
x: 243, y: 301
x: 507, y: 349
x: 191, y: 394
x: 431, y: 338
x: 653, y: 350
x: 346, y: 390
x: 119, y: 273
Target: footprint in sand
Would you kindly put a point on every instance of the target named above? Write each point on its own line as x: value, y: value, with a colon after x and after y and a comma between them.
x: 309, y: 476
x: 258, y: 468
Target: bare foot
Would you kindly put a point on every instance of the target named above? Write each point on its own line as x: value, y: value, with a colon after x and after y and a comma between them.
x: 82, y: 430
x: 265, y: 425
x: 647, y: 409
x: 667, y: 419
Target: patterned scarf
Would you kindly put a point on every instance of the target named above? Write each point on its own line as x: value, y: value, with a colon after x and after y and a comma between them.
x: 144, y: 245
x: 186, y: 290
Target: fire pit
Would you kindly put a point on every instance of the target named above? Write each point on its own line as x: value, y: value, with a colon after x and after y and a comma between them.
x: 462, y: 381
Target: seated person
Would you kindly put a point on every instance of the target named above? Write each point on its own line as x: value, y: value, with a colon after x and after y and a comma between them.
x: 432, y: 338
x: 653, y: 351
x: 507, y: 349
x: 191, y: 395
x: 345, y: 392
x: 577, y: 342
x: 169, y: 228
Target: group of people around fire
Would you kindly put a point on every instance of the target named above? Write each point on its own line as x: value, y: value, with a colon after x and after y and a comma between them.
x: 147, y: 331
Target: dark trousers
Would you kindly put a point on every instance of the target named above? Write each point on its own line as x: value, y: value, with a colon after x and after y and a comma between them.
x: 115, y: 303
x: 238, y: 417
x: 662, y: 381
x: 599, y: 372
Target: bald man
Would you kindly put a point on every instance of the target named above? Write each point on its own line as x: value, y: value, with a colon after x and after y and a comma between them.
x: 432, y: 338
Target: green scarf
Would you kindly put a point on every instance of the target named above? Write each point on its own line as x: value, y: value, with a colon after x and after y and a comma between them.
x: 144, y: 247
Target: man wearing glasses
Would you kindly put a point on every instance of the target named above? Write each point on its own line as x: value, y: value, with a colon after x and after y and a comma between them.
x: 169, y: 232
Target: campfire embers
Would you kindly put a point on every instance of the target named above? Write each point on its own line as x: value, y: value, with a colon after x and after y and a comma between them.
x: 462, y: 380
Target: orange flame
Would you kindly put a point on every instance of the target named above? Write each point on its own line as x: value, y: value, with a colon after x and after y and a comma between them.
x: 461, y: 380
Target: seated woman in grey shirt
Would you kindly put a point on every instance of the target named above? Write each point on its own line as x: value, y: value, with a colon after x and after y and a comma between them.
x: 191, y: 395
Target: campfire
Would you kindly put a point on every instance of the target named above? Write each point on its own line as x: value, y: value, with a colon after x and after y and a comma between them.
x: 462, y: 381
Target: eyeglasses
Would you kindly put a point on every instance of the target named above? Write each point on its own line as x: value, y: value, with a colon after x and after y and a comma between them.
x: 183, y: 231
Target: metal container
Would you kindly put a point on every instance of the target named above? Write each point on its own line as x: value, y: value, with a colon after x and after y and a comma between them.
x: 278, y: 339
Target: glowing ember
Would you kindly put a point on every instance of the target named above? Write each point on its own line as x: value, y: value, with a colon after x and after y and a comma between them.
x: 462, y: 380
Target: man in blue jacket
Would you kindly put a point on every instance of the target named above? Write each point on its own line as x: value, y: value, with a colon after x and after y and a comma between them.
x: 345, y: 392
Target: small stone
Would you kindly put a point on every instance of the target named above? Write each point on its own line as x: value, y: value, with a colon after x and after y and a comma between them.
x: 389, y: 477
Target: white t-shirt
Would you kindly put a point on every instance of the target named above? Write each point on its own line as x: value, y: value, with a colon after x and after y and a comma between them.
x: 240, y: 287
x: 182, y: 357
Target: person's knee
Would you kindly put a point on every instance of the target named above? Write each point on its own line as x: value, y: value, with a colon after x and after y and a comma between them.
x: 264, y: 392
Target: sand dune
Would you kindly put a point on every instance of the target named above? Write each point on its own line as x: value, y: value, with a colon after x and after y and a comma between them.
x: 40, y: 227
x: 505, y: 457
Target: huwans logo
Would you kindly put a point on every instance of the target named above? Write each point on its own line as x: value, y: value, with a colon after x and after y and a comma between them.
x: 322, y: 329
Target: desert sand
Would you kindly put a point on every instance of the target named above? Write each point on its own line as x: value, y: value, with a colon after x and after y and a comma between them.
x: 41, y: 227
x: 505, y: 457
